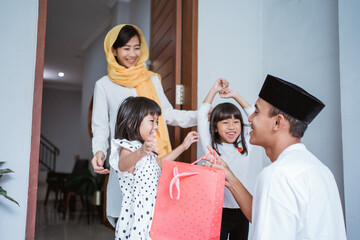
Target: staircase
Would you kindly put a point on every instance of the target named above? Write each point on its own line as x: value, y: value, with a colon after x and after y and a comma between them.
x: 48, y: 153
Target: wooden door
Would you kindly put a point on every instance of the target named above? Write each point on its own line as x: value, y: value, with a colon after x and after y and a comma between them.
x: 36, y: 122
x: 166, y: 55
x: 165, y: 50
x: 189, y: 66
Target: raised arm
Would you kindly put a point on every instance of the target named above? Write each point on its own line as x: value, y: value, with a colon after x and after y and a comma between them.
x: 191, y: 138
x: 218, y: 86
x: 204, y: 111
x: 128, y: 159
x: 229, y: 93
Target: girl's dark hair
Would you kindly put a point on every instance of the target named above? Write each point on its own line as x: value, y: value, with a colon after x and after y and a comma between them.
x: 124, y: 36
x: 130, y: 115
x: 221, y: 112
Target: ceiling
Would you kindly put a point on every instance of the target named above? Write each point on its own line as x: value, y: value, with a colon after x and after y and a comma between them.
x: 71, y: 27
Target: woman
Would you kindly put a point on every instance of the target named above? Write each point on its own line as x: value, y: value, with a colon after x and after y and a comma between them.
x: 126, y: 51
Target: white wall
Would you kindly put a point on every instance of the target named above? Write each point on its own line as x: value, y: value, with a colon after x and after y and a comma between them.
x: 296, y: 40
x: 18, y: 31
x: 94, y: 68
x: 120, y: 13
x: 230, y: 46
x: 60, y: 123
x: 349, y: 37
x: 301, y: 45
x: 140, y: 16
x: 135, y: 12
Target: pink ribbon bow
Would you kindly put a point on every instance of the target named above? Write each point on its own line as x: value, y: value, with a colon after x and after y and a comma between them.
x: 175, y: 180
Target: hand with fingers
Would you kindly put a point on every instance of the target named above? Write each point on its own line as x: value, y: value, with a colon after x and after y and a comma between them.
x: 240, y: 193
x: 190, y: 138
x: 230, y: 93
x: 149, y: 146
x: 221, y: 164
x: 227, y: 93
x: 98, y: 163
x: 220, y: 84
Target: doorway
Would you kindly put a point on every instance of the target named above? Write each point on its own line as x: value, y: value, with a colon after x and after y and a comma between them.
x: 186, y: 71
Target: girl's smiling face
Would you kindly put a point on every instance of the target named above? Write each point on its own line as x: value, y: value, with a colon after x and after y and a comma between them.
x: 229, y: 129
x: 148, y: 125
x: 129, y: 54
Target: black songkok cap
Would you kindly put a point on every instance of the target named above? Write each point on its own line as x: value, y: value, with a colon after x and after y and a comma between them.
x: 290, y: 99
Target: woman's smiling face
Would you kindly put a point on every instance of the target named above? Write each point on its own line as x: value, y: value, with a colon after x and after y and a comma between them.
x: 129, y: 54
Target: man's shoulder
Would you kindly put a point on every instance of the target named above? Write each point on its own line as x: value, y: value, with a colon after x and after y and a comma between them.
x: 298, y: 164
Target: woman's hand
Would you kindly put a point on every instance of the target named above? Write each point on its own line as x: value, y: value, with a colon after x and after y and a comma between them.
x: 149, y: 146
x: 190, y: 138
x: 98, y: 162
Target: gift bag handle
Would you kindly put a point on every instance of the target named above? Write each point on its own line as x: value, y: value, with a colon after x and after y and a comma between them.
x: 175, y: 179
x: 205, y: 156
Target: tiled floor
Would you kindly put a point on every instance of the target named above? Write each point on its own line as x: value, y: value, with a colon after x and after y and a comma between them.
x: 51, y: 226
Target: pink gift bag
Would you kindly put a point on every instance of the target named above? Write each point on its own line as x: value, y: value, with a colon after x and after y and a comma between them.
x: 189, y: 202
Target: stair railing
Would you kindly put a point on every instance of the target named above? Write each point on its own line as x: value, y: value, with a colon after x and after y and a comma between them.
x: 48, y: 153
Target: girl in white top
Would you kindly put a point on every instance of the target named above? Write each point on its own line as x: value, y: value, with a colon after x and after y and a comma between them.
x: 134, y: 158
x: 229, y: 136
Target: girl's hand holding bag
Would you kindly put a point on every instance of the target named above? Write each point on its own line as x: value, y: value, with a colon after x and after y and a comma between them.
x: 189, y: 202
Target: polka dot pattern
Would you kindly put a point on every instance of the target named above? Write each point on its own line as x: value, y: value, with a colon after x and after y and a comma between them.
x: 139, y: 195
x: 197, y: 214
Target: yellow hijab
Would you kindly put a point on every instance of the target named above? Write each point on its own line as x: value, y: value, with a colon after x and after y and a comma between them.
x: 137, y: 76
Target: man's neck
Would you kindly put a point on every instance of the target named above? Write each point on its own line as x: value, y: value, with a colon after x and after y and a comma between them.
x: 279, y: 146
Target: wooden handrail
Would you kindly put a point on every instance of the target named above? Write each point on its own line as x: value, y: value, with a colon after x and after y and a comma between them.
x: 51, y: 144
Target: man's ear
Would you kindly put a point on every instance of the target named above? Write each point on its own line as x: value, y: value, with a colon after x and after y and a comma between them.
x: 279, y: 121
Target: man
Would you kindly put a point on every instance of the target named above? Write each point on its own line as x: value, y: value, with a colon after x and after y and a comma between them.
x: 296, y: 197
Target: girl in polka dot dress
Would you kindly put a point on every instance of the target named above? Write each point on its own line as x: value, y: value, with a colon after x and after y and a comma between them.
x: 134, y: 158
